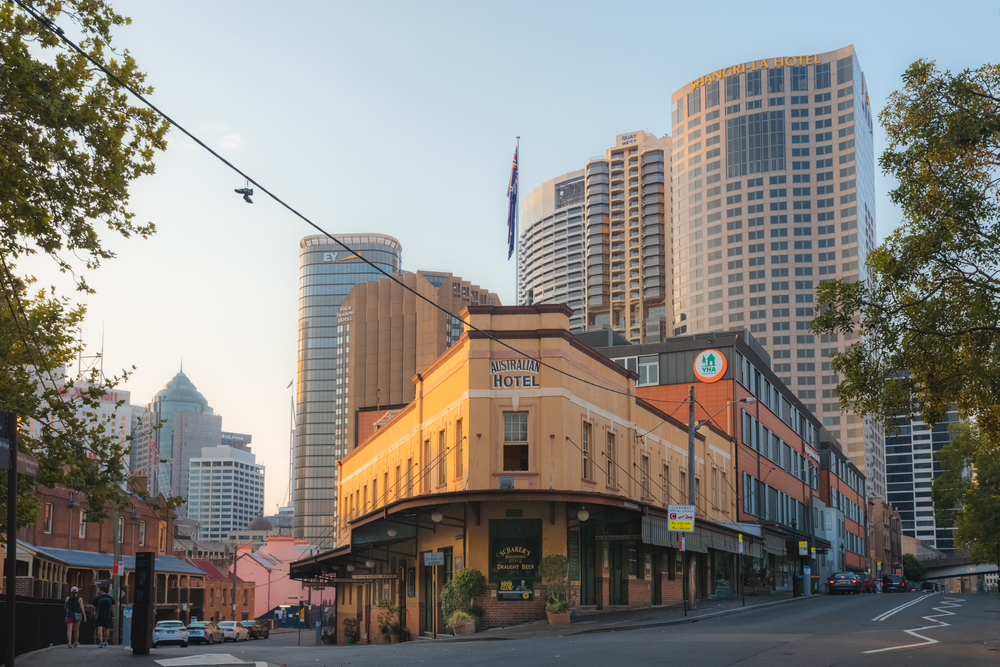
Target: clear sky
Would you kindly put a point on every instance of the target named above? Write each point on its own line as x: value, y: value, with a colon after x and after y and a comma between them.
x: 400, y: 118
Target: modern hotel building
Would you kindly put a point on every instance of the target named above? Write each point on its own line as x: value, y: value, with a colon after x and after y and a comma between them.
x: 773, y: 192
x: 551, y: 268
x: 326, y: 274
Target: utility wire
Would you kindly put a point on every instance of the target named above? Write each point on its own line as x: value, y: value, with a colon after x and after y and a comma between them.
x: 61, y: 35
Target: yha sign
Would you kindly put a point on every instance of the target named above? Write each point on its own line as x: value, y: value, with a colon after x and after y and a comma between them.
x: 502, y: 370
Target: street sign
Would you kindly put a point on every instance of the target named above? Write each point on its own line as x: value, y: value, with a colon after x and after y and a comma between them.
x: 680, y: 543
x: 741, y: 543
x: 119, y: 569
x: 680, y: 518
x: 434, y: 558
x: 813, y: 550
x: 27, y: 465
x: 803, y: 548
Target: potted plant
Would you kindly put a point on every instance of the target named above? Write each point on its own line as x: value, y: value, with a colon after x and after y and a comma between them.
x: 350, y: 630
x: 388, y: 620
x: 554, y: 570
x: 457, y: 596
x: 462, y: 623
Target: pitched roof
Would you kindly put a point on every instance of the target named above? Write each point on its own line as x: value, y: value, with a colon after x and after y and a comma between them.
x: 213, y: 572
x: 76, y: 558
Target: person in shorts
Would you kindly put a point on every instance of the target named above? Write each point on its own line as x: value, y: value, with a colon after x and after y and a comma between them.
x: 104, y: 609
x: 75, y: 614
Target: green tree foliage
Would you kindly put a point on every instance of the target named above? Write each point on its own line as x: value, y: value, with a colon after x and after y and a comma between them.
x: 912, y: 569
x: 970, y: 480
x: 71, y: 143
x: 929, y: 316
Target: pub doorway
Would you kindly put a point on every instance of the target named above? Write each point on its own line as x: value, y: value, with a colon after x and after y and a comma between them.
x: 616, y: 573
x: 657, y: 576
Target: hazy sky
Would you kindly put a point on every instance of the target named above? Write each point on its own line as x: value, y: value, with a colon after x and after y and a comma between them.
x: 400, y: 118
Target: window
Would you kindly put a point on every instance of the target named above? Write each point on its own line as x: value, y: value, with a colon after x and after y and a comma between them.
x: 459, y: 464
x: 442, y: 459
x: 82, y: 530
x: 409, y: 477
x: 649, y: 370
x: 776, y: 80
x: 515, y: 438
x: 666, y: 485
x: 610, y: 456
x: 142, y: 533
x: 644, y: 475
x: 48, y: 518
x: 427, y: 463
x: 821, y: 76
x: 712, y: 95
x: 588, y: 463
x: 694, y: 102
x: 800, y: 78
x: 753, y: 83
x: 732, y: 88
x: 163, y: 539
x: 845, y: 70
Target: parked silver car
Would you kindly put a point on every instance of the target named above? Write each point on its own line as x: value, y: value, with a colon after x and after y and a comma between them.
x: 205, y: 632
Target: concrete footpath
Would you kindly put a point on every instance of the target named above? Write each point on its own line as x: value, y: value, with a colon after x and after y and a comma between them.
x: 587, y: 622
x: 590, y: 622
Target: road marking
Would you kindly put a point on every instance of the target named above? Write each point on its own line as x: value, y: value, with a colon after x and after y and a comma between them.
x: 947, y: 602
x: 202, y: 659
x: 901, y: 607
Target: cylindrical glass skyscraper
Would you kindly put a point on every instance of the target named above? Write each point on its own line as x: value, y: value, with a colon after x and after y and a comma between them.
x: 326, y: 274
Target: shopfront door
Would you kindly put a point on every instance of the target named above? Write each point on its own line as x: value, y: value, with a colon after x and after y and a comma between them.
x: 428, y: 596
x: 617, y: 573
x: 588, y: 566
x: 657, y: 577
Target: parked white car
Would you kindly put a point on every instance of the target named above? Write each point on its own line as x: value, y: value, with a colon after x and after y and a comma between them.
x: 170, y: 632
x: 233, y: 631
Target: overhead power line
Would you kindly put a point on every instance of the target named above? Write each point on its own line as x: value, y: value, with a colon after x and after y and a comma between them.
x: 58, y: 32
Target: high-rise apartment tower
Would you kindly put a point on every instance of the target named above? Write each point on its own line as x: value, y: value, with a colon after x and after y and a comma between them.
x: 627, y: 222
x: 551, y: 262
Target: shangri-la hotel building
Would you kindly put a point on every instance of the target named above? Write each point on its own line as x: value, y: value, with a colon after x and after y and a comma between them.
x: 539, y: 448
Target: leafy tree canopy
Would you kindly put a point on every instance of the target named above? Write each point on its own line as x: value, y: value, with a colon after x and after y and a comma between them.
x: 929, y: 312
x: 71, y: 144
x: 913, y: 570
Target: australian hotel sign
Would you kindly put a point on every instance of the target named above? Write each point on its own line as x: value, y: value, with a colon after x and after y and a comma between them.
x: 514, y: 373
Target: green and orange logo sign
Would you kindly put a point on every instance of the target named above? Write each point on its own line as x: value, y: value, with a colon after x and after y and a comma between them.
x: 710, y: 366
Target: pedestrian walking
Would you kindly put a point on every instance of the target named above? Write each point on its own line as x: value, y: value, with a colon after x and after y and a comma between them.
x: 74, y: 615
x: 104, y: 609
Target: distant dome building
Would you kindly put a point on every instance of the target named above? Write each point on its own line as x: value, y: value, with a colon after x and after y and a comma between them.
x: 260, y: 523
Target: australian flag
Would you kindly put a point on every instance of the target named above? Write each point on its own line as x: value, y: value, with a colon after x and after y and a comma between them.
x: 512, y: 208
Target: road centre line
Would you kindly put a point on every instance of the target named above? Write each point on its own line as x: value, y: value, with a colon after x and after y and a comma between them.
x: 947, y: 602
x: 901, y: 607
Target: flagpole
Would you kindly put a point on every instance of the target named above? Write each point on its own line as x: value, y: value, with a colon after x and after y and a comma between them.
x: 517, y: 238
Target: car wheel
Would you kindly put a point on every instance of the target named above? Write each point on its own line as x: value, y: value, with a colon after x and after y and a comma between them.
x: 156, y: 645
x: 184, y: 644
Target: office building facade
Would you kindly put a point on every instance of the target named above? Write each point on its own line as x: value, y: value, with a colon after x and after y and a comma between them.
x: 773, y: 193
x: 226, y: 491
x: 164, y: 454
x: 326, y: 274
x: 386, y: 335
x: 628, y: 210
x: 551, y: 265
x: 911, y: 465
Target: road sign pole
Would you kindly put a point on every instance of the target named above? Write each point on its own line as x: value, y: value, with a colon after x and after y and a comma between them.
x: 10, y: 432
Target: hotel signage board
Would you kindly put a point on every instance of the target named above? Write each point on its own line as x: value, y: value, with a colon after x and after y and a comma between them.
x: 515, y: 554
x: 514, y: 373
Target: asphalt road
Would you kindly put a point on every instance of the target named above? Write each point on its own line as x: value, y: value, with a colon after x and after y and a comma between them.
x: 913, y: 629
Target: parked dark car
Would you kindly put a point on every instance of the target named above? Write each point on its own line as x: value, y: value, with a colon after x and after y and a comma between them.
x: 843, y: 582
x: 259, y: 630
x: 867, y: 582
x: 894, y: 583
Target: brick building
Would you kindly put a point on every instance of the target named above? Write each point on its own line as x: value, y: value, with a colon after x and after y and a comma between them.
x: 885, y: 537
x: 218, y: 596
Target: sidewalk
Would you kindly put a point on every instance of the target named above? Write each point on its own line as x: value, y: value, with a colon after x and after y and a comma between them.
x: 590, y: 622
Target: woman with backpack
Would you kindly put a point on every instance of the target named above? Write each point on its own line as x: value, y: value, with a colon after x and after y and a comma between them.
x: 74, y: 615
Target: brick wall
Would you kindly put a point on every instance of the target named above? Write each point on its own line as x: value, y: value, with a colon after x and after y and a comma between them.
x: 502, y: 613
x: 25, y: 586
x: 640, y: 593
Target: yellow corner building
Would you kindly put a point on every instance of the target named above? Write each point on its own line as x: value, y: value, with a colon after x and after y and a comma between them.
x: 506, y: 456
